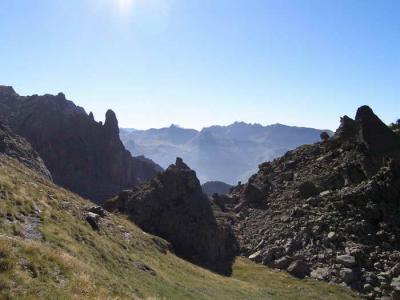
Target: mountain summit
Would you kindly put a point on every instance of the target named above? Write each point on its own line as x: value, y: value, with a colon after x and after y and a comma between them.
x: 82, y: 155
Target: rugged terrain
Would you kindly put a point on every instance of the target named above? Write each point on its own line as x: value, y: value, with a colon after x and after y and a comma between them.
x: 173, y: 206
x: 84, y: 156
x: 224, y: 153
x: 329, y: 210
x: 17, y: 147
x: 56, y: 245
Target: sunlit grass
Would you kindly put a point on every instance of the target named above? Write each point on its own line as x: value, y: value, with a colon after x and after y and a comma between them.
x: 71, y: 261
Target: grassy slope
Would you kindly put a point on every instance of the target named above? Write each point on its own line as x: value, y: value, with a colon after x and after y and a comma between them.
x: 63, y: 258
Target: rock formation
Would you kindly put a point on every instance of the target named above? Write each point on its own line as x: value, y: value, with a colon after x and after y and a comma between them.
x: 329, y: 210
x: 82, y: 155
x: 17, y: 147
x: 174, y: 207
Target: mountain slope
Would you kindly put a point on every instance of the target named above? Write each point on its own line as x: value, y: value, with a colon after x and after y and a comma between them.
x: 82, y: 155
x: 329, y: 210
x: 50, y: 249
x: 223, y: 153
x: 17, y: 147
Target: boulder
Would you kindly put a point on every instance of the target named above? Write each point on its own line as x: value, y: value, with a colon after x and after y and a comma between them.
x: 299, y: 269
x: 308, y: 189
x: 346, y: 260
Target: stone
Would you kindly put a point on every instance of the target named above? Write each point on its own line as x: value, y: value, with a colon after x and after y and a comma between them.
x: 288, y: 176
x: 93, y: 220
x: 256, y: 256
x: 144, y: 268
x: 299, y: 269
x: 307, y: 189
x: 395, y: 284
x: 347, y: 275
x: 395, y: 270
x: 320, y: 273
x: 282, y: 263
x: 332, y: 236
x: 395, y: 295
x: 346, y: 260
x: 96, y: 210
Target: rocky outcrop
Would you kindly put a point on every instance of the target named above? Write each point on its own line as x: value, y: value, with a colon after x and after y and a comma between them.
x: 82, y: 155
x: 174, y: 207
x: 329, y: 210
x: 367, y: 129
x: 17, y: 147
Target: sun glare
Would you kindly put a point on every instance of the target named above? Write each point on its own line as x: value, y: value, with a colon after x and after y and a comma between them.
x: 125, y: 5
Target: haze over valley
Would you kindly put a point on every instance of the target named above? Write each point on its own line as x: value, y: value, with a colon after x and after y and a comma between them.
x: 219, y: 153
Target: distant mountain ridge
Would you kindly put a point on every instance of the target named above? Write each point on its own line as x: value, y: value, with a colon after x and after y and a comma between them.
x: 219, y: 153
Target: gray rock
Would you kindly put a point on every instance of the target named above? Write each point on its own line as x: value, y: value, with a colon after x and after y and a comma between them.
x: 307, y: 189
x: 282, y: 263
x: 320, y: 273
x: 347, y: 275
x: 346, y: 260
x: 256, y: 256
x: 299, y: 269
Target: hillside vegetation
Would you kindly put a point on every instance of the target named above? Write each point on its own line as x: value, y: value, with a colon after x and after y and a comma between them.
x: 49, y: 251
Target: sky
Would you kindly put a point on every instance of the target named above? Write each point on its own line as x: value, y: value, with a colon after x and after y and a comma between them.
x: 197, y: 63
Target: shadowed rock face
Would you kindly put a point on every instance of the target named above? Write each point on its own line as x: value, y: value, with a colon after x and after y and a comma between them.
x: 329, y: 210
x: 17, y: 147
x: 368, y: 130
x: 82, y: 155
x: 174, y: 207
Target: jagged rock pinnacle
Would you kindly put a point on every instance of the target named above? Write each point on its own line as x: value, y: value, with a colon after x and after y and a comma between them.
x: 111, y: 121
x: 180, y: 164
x: 369, y: 130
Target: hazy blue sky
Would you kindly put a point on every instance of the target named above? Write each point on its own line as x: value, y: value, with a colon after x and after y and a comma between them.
x: 202, y: 62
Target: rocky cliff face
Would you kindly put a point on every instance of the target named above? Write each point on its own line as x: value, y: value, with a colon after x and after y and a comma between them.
x: 174, y: 207
x: 82, y: 155
x: 17, y: 147
x: 329, y: 210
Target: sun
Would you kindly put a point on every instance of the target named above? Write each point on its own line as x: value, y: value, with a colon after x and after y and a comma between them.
x: 125, y: 5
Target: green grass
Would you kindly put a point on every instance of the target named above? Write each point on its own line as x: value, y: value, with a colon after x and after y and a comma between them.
x: 71, y: 261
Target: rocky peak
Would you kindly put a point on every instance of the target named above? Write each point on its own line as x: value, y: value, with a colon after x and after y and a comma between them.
x: 81, y: 154
x: 174, y: 207
x: 376, y: 135
x: 111, y: 122
x: 7, y: 90
x: 369, y: 130
x: 179, y: 164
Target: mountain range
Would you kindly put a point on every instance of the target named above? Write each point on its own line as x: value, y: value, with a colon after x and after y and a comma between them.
x: 219, y: 153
